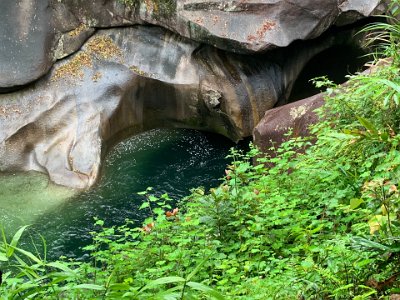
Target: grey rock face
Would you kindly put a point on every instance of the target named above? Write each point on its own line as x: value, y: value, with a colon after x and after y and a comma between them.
x: 128, y: 80
x: 242, y: 26
x: 351, y: 10
x: 26, y: 39
x: 36, y: 33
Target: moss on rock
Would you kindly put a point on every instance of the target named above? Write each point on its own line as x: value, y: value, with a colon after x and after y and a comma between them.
x: 74, y: 67
x: 158, y: 8
x: 103, y: 47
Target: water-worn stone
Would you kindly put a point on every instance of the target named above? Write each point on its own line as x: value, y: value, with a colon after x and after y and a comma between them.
x: 36, y: 33
x: 26, y: 39
x: 254, y: 25
x: 271, y: 131
x: 296, y: 117
x: 127, y: 80
x: 242, y: 26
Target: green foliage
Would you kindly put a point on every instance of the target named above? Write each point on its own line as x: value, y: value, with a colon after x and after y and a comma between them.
x: 314, y: 221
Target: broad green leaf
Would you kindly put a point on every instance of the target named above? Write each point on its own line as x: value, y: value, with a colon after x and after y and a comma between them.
x: 25, y: 286
x: 144, y: 205
x: 3, y: 257
x: 355, y: 202
x: 153, y: 198
x: 88, y: 286
x: 99, y: 222
x: 158, y: 211
x: 29, y: 255
x: 205, y: 289
x: 368, y: 244
x: 163, y: 280
x: 15, y: 240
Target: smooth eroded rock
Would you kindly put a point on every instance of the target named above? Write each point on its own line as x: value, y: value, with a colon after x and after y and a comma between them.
x: 127, y: 80
x: 36, y: 33
x: 246, y: 26
x: 296, y: 117
x: 26, y: 40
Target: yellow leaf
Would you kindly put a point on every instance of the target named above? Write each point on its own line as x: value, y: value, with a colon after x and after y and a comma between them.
x: 384, y: 210
x: 375, y: 224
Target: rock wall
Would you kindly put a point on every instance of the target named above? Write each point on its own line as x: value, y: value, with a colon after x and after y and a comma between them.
x: 37, y: 33
x: 89, y: 87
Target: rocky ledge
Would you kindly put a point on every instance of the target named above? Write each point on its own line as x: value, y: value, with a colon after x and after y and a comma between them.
x: 35, y: 34
x: 70, y: 90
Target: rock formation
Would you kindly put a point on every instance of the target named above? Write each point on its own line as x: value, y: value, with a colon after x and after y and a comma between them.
x: 26, y: 37
x: 297, y: 117
x: 89, y: 87
x: 37, y: 33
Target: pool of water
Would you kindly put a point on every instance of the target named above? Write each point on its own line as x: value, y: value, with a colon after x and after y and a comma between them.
x: 169, y: 160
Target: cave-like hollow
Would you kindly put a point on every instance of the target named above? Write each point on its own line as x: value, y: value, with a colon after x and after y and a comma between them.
x: 335, y: 62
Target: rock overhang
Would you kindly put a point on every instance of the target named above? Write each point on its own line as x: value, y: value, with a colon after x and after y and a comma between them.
x: 37, y: 33
x: 141, y: 77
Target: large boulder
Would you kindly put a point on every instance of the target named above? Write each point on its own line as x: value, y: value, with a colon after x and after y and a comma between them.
x: 26, y: 41
x: 296, y: 117
x: 126, y: 80
x: 37, y: 33
x: 254, y: 26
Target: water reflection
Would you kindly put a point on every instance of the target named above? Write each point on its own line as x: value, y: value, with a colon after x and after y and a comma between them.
x: 169, y: 160
x: 25, y: 197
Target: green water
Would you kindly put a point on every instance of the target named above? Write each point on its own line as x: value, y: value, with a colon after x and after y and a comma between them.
x: 169, y: 160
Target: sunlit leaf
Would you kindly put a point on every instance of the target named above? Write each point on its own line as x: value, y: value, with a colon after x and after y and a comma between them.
x: 355, y: 202
x: 205, y: 289
x: 3, y: 257
x: 88, y: 286
x: 144, y: 205
x: 162, y: 281
x: 15, y: 240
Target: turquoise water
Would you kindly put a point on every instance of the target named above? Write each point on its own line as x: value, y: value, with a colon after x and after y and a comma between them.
x: 169, y: 160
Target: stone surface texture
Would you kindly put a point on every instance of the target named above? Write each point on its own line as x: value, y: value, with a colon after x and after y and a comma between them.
x: 297, y: 117
x: 26, y: 39
x: 37, y: 33
x: 127, y: 80
x: 72, y: 85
